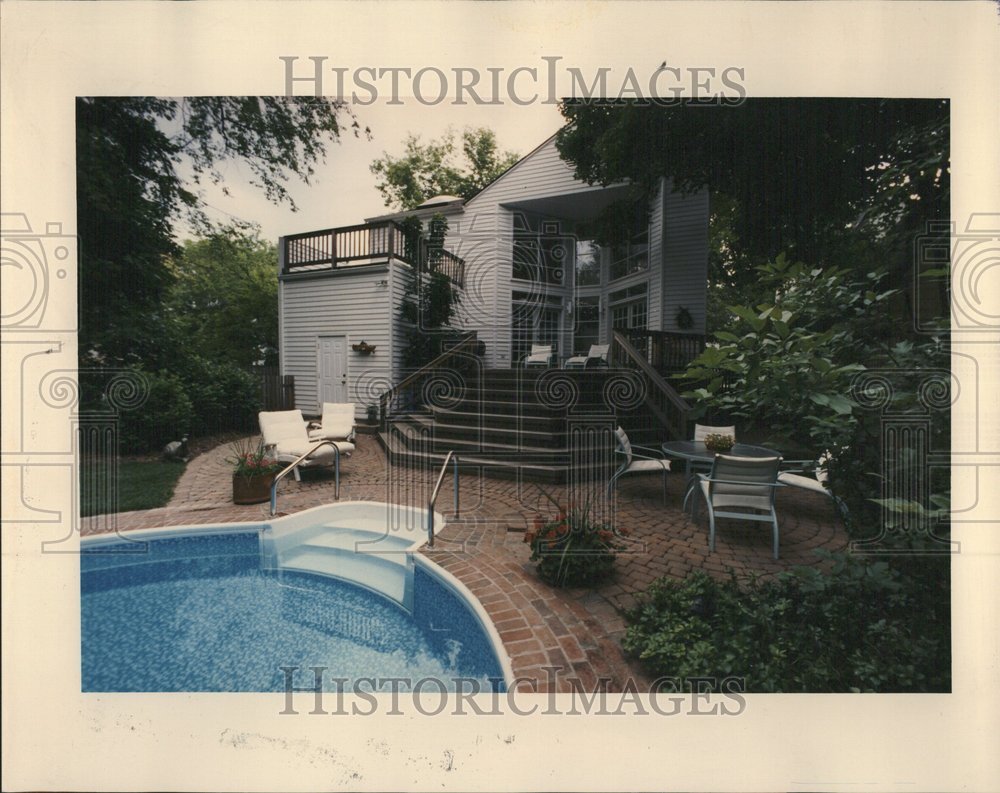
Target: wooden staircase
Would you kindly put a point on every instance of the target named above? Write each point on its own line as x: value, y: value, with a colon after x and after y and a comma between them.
x: 536, y: 424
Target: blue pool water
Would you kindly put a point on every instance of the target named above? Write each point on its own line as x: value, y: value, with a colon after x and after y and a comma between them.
x: 197, y: 613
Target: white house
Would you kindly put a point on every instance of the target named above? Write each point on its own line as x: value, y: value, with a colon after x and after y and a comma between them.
x: 527, y: 268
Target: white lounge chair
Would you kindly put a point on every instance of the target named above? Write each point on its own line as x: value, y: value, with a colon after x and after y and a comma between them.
x: 541, y: 355
x: 746, y: 484
x: 285, y: 432
x: 598, y: 356
x: 649, y: 462
x: 337, y: 423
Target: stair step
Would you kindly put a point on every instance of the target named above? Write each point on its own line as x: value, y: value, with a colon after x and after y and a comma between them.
x: 354, y: 541
x: 371, y: 571
x: 518, y: 466
x: 462, y: 446
x: 489, y: 435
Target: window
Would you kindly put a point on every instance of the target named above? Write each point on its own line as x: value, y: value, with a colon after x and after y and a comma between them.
x: 542, y: 257
x: 630, y: 257
x: 536, y: 320
x: 588, y: 263
x: 629, y: 308
x: 587, y: 322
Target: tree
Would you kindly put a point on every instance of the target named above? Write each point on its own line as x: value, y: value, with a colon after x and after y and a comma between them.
x: 425, y: 171
x: 223, y: 302
x: 429, y: 297
x: 130, y: 192
x: 825, y: 181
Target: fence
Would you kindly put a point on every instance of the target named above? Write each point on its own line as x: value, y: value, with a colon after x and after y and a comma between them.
x: 277, y: 391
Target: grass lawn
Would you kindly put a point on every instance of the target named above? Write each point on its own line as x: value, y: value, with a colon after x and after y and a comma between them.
x: 141, y: 485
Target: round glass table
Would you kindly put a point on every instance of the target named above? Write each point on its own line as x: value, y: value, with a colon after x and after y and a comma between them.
x: 697, y: 457
x: 696, y: 451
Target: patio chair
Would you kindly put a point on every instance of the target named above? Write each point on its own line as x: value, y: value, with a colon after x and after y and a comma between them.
x: 649, y: 462
x: 598, y: 356
x: 541, y: 355
x: 812, y: 476
x: 702, y: 430
x: 285, y: 432
x: 740, y: 483
x: 337, y: 423
x: 694, y: 467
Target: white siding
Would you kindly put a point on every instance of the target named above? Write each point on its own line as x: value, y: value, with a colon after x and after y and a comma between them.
x: 483, y: 236
x: 341, y: 303
x: 542, y: 173
x: 685, y: 257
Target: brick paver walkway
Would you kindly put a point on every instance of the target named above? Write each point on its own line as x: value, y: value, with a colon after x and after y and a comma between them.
x: 576, y: 631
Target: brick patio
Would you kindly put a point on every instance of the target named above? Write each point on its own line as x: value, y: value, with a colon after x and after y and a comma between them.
x: 577, y: 630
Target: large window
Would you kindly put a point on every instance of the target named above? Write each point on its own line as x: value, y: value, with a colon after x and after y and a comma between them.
x: 588, y: 263
x: 542, y: 257
x: 630, y: 257
x: 629, y: 308
x: 536, y: 320
x: 587, y: 323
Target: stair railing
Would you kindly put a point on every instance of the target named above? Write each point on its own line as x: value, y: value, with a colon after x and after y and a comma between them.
x: 291, y: 467
x: 463, y: 346
x: 663, y: 401
x: 451, y: 457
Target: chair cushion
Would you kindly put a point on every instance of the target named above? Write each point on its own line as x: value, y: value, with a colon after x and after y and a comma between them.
x: 283, y: 425
x: 638, y: 466
x: 287, y: 451
x: 747, y: 500
x: 805, y: 482
x: 338, y: 421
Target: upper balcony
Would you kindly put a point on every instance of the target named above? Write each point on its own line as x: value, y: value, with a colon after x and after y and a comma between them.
x: 368, y: 243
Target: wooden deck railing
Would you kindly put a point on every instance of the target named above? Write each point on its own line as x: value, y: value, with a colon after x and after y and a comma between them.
x: 368, y: 243
x: 668, y: 353
x: 663, y: 401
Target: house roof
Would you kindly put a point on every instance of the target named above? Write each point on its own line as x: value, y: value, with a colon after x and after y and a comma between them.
x: 444, y: 204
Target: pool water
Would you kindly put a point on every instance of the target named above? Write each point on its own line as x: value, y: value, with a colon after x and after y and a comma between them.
x: 197, y: 613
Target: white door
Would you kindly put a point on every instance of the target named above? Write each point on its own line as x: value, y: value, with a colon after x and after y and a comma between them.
x: 332, y: 370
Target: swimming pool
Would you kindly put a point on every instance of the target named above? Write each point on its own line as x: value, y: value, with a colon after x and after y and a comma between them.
x: 231, y: 608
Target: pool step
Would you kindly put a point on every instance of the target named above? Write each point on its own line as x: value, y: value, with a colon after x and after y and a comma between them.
x: 378, y: 573
x: 366, y: 555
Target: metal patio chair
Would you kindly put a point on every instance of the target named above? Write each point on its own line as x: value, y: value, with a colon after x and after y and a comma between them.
x: 642, y: 462
x: 740, y: 483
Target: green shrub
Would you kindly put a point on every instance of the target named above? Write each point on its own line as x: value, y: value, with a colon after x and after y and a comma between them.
x: 224, y: 397
x: 164, y: 416
x: 861, y: 627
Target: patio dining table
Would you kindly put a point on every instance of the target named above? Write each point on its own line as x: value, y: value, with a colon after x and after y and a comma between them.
x: 695, y: 453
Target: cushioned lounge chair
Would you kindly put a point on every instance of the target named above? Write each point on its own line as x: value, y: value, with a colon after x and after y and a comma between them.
x: 337, y: 423
x: 541, y: 355
x: 285, y: 432
x: 598, y: 356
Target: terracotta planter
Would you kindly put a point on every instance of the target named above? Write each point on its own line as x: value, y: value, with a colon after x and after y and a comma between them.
x: 252, y: 489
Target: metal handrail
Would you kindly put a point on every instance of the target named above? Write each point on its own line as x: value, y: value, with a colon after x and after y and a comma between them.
x: 451, y: 456
x: 291, y: 467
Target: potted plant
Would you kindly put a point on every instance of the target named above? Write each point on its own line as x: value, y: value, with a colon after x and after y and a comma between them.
x: 716, y: 442
x: 254, y: 469
x: 573, y: 550
x: 371, y: 412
